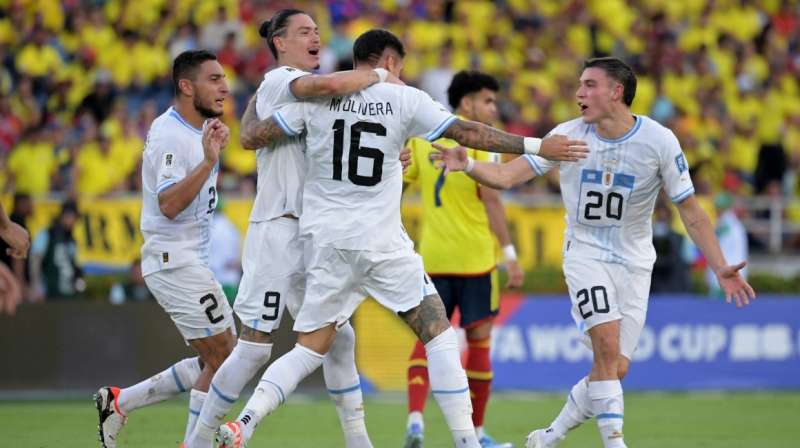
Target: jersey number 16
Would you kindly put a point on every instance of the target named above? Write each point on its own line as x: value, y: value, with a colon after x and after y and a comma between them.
x: 357, y: 152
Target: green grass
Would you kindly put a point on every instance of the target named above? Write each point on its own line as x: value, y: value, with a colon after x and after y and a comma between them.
x: 652, y: 420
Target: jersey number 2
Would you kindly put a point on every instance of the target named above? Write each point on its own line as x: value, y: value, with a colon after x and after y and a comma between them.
x: 210, y: 309
x: 357, y: 152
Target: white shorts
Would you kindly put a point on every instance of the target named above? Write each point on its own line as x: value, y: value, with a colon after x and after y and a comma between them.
x: 604, y: 292
x: 274, y: 276
x: 193, y: 299
x: 338, y: 280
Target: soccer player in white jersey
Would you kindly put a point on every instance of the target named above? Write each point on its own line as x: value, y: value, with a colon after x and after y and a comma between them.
x: 179, y: 178
x: 608, y: 247
x: 354, y: 242
x: 274, y: 272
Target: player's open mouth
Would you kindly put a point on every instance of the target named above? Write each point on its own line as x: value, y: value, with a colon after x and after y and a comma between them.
x: 583, y: 107
x: 220, y: 101
x: 314, y: 52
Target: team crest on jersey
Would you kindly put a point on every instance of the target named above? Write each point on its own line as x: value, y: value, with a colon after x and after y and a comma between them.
x: 168, y: 159
x: 165, y: 257
x: 680, y: 162
x: 608, y: 178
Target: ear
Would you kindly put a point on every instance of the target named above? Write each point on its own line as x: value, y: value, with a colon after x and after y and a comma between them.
x: 619, y: 91
x: 186, y: 87
x: 280, y: 45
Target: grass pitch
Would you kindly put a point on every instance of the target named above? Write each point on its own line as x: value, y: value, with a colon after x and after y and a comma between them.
x: 762, y: 420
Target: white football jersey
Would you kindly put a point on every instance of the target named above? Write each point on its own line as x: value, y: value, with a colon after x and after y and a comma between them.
x: 172, y: 150
x: 281, y: 167
x: 354, y: 182
x: 609, y: 196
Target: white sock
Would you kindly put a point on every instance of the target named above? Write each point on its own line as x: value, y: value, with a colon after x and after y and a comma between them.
x: 344, y: 387
x: 277, y: 383
x: 608, y: 407
x: 450, y: 388
x: 576, y: 410
x: 415, y: 418
x: 228, y: 382
x: 176, y: 379
x: 196, y: 400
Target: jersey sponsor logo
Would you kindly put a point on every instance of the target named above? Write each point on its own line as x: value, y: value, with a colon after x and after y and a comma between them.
x: 680, y: 162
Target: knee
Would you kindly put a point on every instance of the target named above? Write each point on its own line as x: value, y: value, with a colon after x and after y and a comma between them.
x: 217, y: 355
x: 345, y: 340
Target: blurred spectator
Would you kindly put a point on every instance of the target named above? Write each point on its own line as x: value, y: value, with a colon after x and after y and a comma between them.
x: 22, y: 209
x: 226, y: 254
x: 131, y: 289
x: 732, y: 239
x: 214, y: 32
x: 33, y: 163
x: 54, y: 269
x: 671, y: 271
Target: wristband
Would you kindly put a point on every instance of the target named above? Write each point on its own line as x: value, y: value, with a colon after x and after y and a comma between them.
x: 470, y: 165
x: 382, y: 74
x: 531, y: 145
x: 509, y: 252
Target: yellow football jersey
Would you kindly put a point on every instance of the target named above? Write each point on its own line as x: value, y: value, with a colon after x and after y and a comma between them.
x: 455, y: 237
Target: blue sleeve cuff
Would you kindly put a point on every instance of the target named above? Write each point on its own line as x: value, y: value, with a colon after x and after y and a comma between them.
x: 680, y: 197
x: 283, y: 125
x: 534, y: 165
x: 441, y: 128
x: 164, y: 185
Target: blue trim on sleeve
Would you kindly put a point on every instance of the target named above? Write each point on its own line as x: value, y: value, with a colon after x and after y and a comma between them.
x: 683, y: 195
x: 177, y: 380
x: 534, y: 165
x: 193, y: 412
x: 174, y: 114
x: 282, y: 123
x: 441, y: 128
x: 345, y: 390
x: 221, y: 395
x: 164, y: 186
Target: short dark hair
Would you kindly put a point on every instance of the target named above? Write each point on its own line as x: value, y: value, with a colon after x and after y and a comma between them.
x: 276, y: 26
x: 466, y: 82
x: 620, y: 72
x: 370, y: 46
x: 186, y: 64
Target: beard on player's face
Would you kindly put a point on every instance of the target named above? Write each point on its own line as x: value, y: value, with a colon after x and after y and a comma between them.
x: 206, y: 108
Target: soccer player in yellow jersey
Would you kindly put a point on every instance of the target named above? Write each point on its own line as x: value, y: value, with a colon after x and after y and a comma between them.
x: 461, y: 219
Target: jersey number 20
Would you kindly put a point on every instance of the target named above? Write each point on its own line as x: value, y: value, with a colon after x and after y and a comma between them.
x: 357, y: 152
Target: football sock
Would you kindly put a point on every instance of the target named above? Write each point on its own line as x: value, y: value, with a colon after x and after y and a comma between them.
x: 415, y: 418
x: 176, y: 379
x: 344, y: 387
x: 418, y: 385
x: 196, y: 400
x: 239, y: 368
x: 577, y: 409
x: 279, y: 380
x: 479, y: 374
x: 608, y: 407
x: 450, y: 388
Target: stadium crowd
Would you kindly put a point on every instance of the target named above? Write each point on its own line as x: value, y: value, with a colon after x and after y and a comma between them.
x: 81, y: 81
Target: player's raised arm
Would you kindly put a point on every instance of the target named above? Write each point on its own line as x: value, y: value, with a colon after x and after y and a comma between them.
x: 501, y: 176
x: 701, y: 231
x: 478, y: 135
x: 339, y: 83
x: 174, y: 197
x: 255, y: 133
x: 14, y: 235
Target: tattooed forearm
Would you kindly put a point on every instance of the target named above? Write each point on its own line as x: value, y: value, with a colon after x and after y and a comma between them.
x: 251, y: 335
x: 427, y: 320
x: 255, y: 133
x: 477, y: 135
